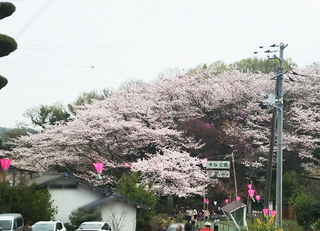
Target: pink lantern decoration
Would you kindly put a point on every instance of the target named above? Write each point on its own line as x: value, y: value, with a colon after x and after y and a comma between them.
x: 258, y: 197
x: 204, y: 200
x: 251, y: 194
x: 249, y: 186
x: 204, y: 162
x: 265, y: 211
x: 238, y: 198
x: 5, y: 164
x: 273, y: 212
x: 227, y: 201
x: 99, y: 168
x: 207, y: 202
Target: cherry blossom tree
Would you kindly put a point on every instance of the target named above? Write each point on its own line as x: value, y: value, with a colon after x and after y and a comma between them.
x: 181, y: 175
x: 141, y: 124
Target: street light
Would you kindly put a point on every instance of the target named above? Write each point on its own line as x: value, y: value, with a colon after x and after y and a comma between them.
x: 160, y: 168
x: 204, y: 165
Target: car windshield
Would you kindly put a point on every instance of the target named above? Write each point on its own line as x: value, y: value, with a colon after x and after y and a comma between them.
x: 43, y: 227
x: 90, y: 226
x: 6, y: 224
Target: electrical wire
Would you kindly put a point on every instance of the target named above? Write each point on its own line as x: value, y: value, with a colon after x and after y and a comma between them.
x: 306, y: 50
x: 33, y: 19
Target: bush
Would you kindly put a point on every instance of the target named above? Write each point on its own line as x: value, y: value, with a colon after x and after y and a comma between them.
x: 290, y: 225
x: 307, y: 210
x: 260, y: 225
x: 78, y: 217
x: 163, y: 217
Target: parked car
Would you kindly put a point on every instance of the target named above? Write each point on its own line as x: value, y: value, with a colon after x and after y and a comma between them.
x: 94, y: 226
x: 48, y: 226
x: 173, y: 226
x: 11, y: 221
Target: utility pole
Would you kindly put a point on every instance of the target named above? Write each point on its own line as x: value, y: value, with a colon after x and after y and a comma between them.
x: 276, y: 100
x: 234, y: 176
x: 270, y: 157
x: 279, y: 139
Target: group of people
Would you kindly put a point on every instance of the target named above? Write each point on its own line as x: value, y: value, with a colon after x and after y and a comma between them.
x: 204, y: 214
x: 188, y: 227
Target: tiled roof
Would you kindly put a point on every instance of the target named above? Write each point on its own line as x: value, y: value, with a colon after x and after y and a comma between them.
x: 48, y: 178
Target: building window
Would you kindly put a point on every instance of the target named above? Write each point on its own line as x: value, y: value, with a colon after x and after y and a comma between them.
x: 56, y: 186
x: 70, y: 186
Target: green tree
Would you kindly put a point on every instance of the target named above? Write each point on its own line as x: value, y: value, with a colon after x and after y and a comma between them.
x: 33, y: 203
x: 254, y: 65
x: 130, y: 187
x: 89, y: 97
x: 217, y: 67
x: 290, y: 184
x: 307, y: 210
x: 44, y: 114
x: 7, y: 44
x: 7, y: 134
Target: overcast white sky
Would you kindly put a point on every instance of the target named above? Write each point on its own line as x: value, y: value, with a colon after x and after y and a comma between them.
x: 77, y: 46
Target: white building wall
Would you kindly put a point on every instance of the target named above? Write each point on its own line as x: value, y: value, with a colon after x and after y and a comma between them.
x: 120, y: 212
x: 68, y: 200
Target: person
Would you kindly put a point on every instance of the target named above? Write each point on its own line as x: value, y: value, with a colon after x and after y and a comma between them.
x: 179, y: 228
x: 187, y: 214
x: 161, y: 227
x: 216, y: 224
x: 206, y: 214
x: 207, y: 226
x: 193, y: 222
x: 195, y: 213
x: 27, y: 227
x: 190, y: 214
x: 188, y: 227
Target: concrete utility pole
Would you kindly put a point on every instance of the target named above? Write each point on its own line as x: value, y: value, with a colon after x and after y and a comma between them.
x: 279, y: 139
x: 234, y: 176
x: 276, y: 100
x: 270, y: 157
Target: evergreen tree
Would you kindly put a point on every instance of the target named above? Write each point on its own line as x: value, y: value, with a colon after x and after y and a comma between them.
x: 7, y: 44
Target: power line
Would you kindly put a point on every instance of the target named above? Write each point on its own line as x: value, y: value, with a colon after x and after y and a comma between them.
x: 133, y: 47
x: 34, y: 18
x: 306, y: 51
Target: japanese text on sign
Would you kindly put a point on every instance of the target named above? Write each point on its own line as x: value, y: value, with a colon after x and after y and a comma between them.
x: 218, y: 165
x: 218, y: 174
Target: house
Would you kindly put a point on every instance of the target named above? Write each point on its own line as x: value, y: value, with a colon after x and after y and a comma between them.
x: 70, y: 193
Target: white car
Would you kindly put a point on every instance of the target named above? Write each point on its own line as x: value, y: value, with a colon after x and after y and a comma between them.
x: 173, y: 226
x: 94, y: 226
x: 48, y: 226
